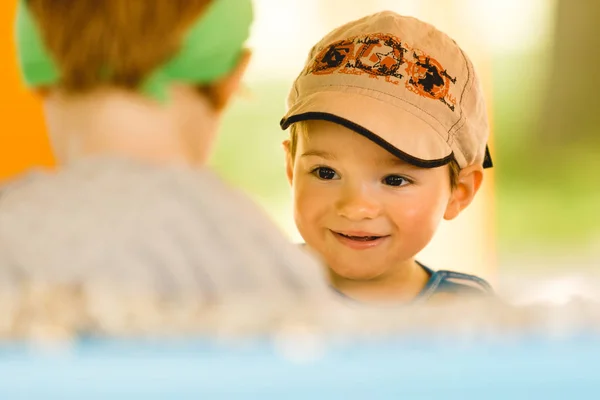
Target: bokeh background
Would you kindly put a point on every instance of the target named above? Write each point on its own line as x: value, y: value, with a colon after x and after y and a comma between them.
x: 538, y: 211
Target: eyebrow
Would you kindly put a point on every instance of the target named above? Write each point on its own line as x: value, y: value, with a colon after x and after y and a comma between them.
x: 318, y: 153
x: 396, y: 162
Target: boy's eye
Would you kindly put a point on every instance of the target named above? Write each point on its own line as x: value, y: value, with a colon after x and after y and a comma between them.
x: 395, y: 180
x: 324, y: 173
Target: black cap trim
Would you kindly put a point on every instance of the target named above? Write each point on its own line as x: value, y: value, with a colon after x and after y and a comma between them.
x: 418, y: 162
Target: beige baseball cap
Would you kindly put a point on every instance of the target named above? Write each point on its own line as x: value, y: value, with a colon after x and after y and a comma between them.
x: 399, y: 82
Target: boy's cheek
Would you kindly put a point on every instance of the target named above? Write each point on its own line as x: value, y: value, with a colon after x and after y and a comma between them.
x: 304, y: 182
x: 310, y: 197
x: 419, y: 213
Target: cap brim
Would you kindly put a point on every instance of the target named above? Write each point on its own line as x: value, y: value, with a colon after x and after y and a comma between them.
x: 396, y: 130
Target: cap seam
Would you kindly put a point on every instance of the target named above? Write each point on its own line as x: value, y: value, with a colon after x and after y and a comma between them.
x: 462, y: 120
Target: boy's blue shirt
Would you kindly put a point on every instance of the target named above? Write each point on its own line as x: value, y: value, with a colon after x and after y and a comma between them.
x: 451, y: 282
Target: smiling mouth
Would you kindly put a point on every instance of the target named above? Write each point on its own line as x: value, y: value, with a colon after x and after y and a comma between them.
x: 359, y: 238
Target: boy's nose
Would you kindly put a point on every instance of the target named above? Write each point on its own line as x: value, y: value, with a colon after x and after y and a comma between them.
x: 358, y: 203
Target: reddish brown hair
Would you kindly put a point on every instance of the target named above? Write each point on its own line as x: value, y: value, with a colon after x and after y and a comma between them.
x: 129, y: 38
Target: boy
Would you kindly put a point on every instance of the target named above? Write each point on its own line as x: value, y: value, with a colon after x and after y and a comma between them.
x: 132, y: 220
x: 388, y: 136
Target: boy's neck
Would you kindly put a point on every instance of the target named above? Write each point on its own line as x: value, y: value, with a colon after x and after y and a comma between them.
x: 403, y: 285
x: 119, y: 123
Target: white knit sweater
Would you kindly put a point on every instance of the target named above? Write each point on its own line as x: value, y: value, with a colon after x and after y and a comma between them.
x: 115, y: 235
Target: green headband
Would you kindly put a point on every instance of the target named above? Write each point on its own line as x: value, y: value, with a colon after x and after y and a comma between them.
x: 210, y: 50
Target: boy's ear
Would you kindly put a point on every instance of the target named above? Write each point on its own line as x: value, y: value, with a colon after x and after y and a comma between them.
x: 223, y: 90
x: 289, y: 162
x: 468, y: 183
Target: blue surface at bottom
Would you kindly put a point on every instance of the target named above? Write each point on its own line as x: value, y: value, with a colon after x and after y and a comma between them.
x: 529, y: 369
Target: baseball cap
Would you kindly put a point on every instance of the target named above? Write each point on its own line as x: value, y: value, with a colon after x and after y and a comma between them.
x: 401, y: 83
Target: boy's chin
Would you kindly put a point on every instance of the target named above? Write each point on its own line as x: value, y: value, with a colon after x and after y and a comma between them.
x: 356, y: 273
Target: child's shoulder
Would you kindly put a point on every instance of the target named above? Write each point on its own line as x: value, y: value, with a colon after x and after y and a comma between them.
x: 456, y: 283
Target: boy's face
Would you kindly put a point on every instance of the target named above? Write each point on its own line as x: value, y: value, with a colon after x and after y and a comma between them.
x: 364, y: 210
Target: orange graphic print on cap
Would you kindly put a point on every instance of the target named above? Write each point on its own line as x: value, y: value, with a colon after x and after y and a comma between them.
x: 382, y: 55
